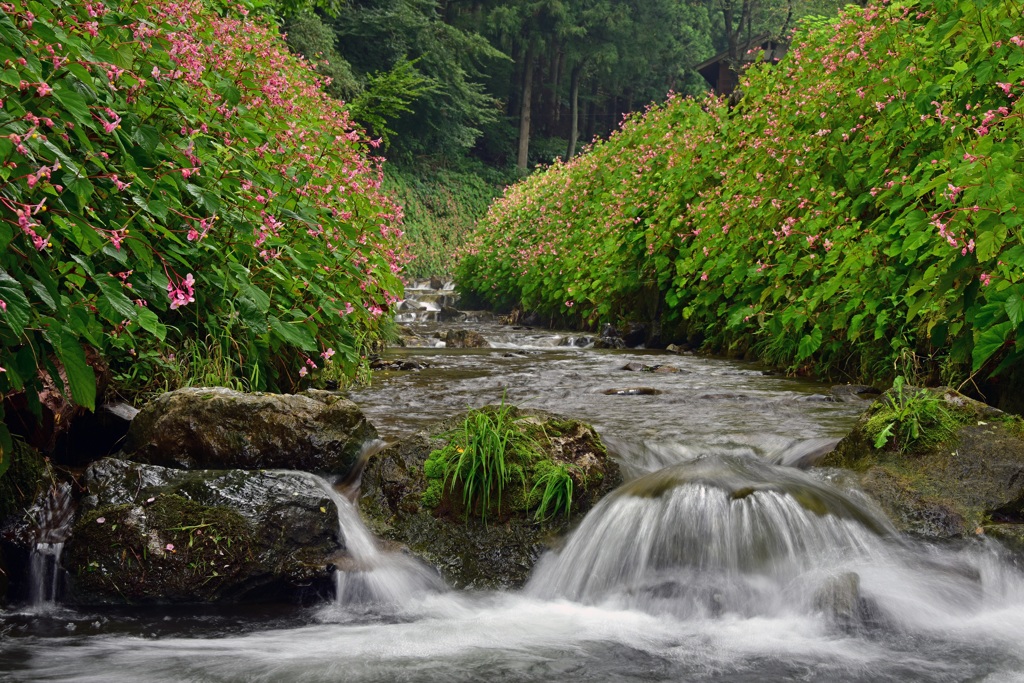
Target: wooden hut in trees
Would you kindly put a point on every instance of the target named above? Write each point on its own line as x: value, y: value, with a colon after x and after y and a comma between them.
x: 722, y: 71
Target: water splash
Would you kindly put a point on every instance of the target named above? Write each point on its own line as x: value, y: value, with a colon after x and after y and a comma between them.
x: 54, y: 516
x: 368, y: 576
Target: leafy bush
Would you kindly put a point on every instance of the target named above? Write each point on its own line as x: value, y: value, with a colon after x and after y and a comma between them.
x: 172, y: 177
x: 855, y: 214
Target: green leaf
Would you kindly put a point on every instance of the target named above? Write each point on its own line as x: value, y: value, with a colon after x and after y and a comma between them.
x: 74, y: 104
x: 72, y: 357
x: 809, y: 344
x: 149, y: 322
x: 988, y: 342
x: 1015, y: 309
x: 18, y: 309
x: 293, y: 334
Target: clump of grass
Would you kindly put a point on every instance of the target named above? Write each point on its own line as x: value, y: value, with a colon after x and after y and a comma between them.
x: 554, y: 487
x: 494, y: 449
x: 911, y: 418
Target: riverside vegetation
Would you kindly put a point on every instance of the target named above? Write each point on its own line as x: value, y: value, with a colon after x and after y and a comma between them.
x: 855, y: 215
x: 176, y: 188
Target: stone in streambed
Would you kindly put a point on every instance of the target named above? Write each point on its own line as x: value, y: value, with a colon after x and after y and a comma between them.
x: 149, y: 534
x: 947, y: 490
x: 399, y: 503
x: 216, y: 428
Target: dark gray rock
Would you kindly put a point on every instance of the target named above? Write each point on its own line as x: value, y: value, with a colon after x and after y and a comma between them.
x: 952, y: 489
x: 149, y: 534
x: 215, y: 428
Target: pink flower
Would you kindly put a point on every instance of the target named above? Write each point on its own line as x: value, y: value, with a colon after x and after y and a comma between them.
x: 303, y: 371
x: 326, y: 355
x: 985, y: 278
x: 100, y: 520
x: 704, y: 276
x: 169, y: 547
x: 3, y: 306
x: 183, y: 293
x: 43, y: 89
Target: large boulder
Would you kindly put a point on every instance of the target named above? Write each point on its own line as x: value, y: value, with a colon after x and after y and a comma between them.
x: 216, y: 428
x: 961, y: 483
x: 400, y: 502
x: 149, y: 534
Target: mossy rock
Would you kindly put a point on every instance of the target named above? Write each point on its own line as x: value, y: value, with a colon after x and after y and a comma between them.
x: 404, y: 498
x: 149, y: 534
x: 950, y: 489
x: 218, y: 428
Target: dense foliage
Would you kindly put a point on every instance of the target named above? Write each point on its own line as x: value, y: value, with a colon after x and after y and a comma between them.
x: 176, y: 191
x: 856, y: 213
x: 441, y: 207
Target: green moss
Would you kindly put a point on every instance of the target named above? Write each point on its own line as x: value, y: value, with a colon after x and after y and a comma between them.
x: 171, y: 549
x: 431, y: 497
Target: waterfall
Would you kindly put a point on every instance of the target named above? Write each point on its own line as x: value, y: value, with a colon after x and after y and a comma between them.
x: 715, y: 535
x: 54, y: 516
x: 368, y: 576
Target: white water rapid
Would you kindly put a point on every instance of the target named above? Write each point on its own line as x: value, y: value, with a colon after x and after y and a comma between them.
x: 368, y: 577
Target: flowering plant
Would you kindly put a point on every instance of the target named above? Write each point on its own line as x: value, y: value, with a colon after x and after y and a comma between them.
x: 170, y: 173
x: 855, y: 213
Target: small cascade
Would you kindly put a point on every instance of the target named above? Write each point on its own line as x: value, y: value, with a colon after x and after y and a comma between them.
x: 368, y: 576
x: 54, y: 516
x: 718, y: 534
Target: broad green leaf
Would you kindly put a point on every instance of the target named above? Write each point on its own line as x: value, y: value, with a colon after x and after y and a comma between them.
x: 18, y: 310
x: 80, y: 376
x: 988, y: 342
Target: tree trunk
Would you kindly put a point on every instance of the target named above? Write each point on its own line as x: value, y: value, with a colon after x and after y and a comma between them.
x: 574, y: 109
x: 524, y: 111
x: 556, y: 80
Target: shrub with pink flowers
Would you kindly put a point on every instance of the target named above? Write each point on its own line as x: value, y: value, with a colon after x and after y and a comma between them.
x: 172, y: 178
x: 856, y: 214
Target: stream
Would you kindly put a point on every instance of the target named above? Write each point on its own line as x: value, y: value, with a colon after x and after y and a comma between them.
x: 667, y: 579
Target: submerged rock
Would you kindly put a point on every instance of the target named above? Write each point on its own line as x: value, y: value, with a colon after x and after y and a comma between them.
x: 216, y: 428
x: 953, y: 488
x: 401, y: 503
x: 149, y: 534
x: 632, y: 391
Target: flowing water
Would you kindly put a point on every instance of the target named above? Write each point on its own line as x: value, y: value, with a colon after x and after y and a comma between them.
x: 716, y: 561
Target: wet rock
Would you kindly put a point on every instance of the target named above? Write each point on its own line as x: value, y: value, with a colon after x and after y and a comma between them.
x: 436, y: 283
x: 450, y: 314
x: 661, y: 369
x: 316, y: 431
x: 632, y: 391
x: 609, y: 343
x: 464, y: 339
x: 839, y: 600
x: 469, y: 553
x: 949, y: 489
x: 679, y: 349
x: 581, y: 341
x: 149, y: 534
x: 853, y: 392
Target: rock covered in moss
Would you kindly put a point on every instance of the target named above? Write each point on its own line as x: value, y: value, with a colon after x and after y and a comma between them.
x: 149, y: 534
x: 952, y: 486
x: 217, y: 428
x: 404, y: 498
